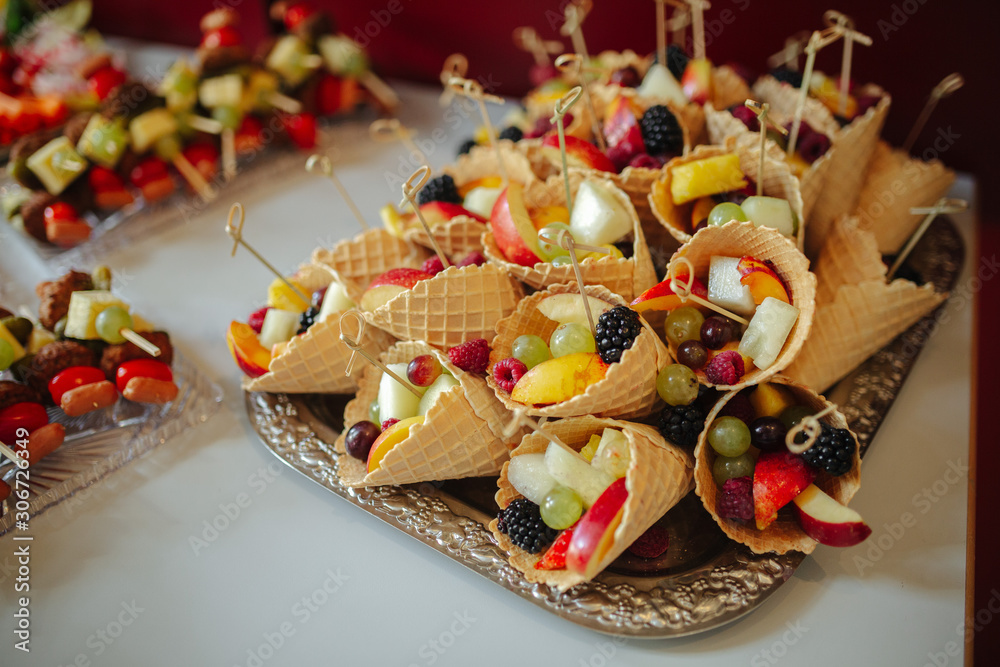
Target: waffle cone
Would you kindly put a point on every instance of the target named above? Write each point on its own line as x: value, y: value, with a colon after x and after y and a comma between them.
x: 778, y: 182
x: 629, y: 386
x: 481, y: 162
x: 737, y: 239
x: 849, y: 256
x: 728, y: 88
x: 783, y: 99
x: 456, y: 305
x: 459, y: 437
x: 861, y: 319
x: 852, y: 150
x: 368, y: 255
x: 627, y: 277
x: 784, y: 534
x: 538, y: 107
x: 659, y: 475
x: 611, y: 61
x: 456, y: 237
x: 896, y: 182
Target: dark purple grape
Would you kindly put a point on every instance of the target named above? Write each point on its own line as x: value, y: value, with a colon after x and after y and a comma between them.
x: 716, y: 332
x: 768, y: 434
x: 359, y: 439
x: 692, y: 354
x: 626, y: 76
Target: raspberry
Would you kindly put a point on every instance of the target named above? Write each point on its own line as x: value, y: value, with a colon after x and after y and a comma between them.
x: 725, y: 368
x: 746, y: 116
x: 474, y: 258
x: 256, y: 319
x: 736, y: 499
x: 507, y: 372
x: 389, y: 422
x: 432, y: 265
x: 739, y: 406
x: 542, y: 127
x: 645, y: 161
x: 651, y: 544
x: 472, y: 356
x: 813, y: 146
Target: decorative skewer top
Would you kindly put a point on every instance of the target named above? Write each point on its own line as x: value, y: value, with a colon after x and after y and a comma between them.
x: 810, y: 427
x: 527, y: 39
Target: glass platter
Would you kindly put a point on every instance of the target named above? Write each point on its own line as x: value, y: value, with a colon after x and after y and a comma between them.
x: 702, y: 582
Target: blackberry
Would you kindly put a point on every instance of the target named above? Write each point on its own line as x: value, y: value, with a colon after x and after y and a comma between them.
x: 660, y: 131
x: 681, y: 424
x: 466, y: 146
x: 789, y: 76
x: 677, y: 60
x: 833, y: 450
x: 441, y: 188
x: 513, y: 133
x: 522, y: 522
x: 616, y: 330
x: 307, y: 320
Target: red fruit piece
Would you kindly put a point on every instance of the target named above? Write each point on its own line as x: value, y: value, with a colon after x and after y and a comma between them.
x: 507, y: 372
x: 297, y: 13
x: 329, y: 94
x: 554, y: 557
x: 736, y: 499
x: 256, y: 319
x: 472, y: 356
x: 220, y: 37
x: 725, y: 368
x: 777, y: 478
x: 432, y: 265
x: 248, y: 136
x: 651, y: 544
x: 105, y: 80
x: 389, y: 422
x: 474, y: 258
x: 301, y: 129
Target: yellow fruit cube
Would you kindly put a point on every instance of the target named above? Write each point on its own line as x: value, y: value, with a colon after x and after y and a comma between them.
x: 770, y: 400
x: 279, y: 295
x: 710, y: 176
x: 84, y: 307
x: 38, y: 339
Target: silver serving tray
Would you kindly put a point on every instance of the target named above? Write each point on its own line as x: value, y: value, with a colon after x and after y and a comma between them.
x: 703, y: 581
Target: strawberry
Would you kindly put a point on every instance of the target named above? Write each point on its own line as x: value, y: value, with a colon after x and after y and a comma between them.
x: 555, y: 557
x: 220, y: 37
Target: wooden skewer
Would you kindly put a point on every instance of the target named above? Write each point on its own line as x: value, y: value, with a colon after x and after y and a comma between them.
x: 762, y: 112
x: 562, y: 106
x: 235, y: 232
x: 576, y: 13
x: 683, y: 290
x: 568, y: 243
x: 19, y: 461
x: 526, y: 38
x: 679, y: 21
x: 818, y: 40
x: 789, y: 56
x: 845, y: 26
x: 390, y: 129
x: 698, y: 8
x: 194, y: 178
x: 356, y: 349
x: 573, y: 63
x: 411, y: 187
x: 455, y: 65
x: 520, y: 420
x: 661, y: 32
x: 810, y: 426
x: 948, y: 85
x: 202, y: 124
x: 474, y: 91
x: 942, y: 206
x: 228, y: 153
x: 283, y: 102
x: 322, y: 164
x: 140, y: 342
x: 380, y: 90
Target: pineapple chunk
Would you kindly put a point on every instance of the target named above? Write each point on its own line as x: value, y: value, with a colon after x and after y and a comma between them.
x: 221, y: 91
x: 146, y: 129
x: 39, y: 338
x: 84, y: 307
x: 180, y: 86
x: 289, y: 59
x: 15, y: 345
x: 280, y: 296
x: 56, y: 164
x: 701, y: 178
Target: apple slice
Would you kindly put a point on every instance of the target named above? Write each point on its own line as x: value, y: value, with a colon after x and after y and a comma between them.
x: 777, y: 478
x: 389, y: 438
x: 659, y: 83
x: 697, y: 80
x: 559, y: 379
x: 390, y: 284
x: 767, y: 331
x: 662, y: 297
x: 771, y: 212
x: 513, y: 231
x: 334, y: 301
x: 443, y: 383
x: 480, y: 201
x: 437, y: 212
x: 252, y: 357
x: 574, y: 472
x: 530, y: 476
x: 394, y: 400
x: 568, y: 308
x: 594, y: 533
x: 725, y: 288
x: 579, y: 153
x: 827, y: 521
x: 622, y: 131
x: 762, y: 281
x: 598, y: 218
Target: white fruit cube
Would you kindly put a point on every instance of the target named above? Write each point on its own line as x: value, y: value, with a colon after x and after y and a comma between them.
x: 661, y: 84
x: 279, y: 326
x: 576, y: 473
x: 221, y: 91
x: 481, y: 200
x: 443, y: 383
x: 530, y: 477
x: 725, y: 288
x: 613, y: 455
x: 598, y: 217
x: 395, y: 401
x: 334, y: 301
x: 771, y: 212
x: 767, y: 331
x: 289, y: 59
x: 84, y: 307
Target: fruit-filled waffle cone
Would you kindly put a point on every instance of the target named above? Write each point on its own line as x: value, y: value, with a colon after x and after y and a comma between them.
x: 659, y: 475
x: 728, y: 88
x: 626, y: 277
x: 783, y: 99
x: 628, y: 388
x: 461, y: 434
x: 739, y: 239
x: 861, y: 319
x: 784, y: 534
x: 690, y: 117
x: 849, y: 256
x: 895, y: 182
x: 456, y: 305
x: 852, y: 150
x: 778, y: 182
x: 358, y: 261
x: 538, y: 107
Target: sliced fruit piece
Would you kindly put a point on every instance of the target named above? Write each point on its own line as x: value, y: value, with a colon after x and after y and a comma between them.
x: 395, y: 401
x: 280, y: 295
x: 710, y: 176
x: 530, y: 476
x: 442, y: 384
x: 513, y: 231
x: 279, y: 326
x: 662, y: 297
x: 725, y: 288
x: 598, y: 217
x: 252, y: 357
x: 777, y: 478
x: 56, y: 164
x: 661, y: 84
x: 594, y: 534
x: 827, y: 521
x: 389, y: 438
x: 771, y: 212
x: 390, y: 284
x: 697, y: 80
x: 579, y: 153
x: 767, y: 331
x: 485, y: 182
x: 555, y: 556
x: 568, y: 308
x: 559, y: 379
x: 762, y: 280
x: 334, y: 301
x: 574, y: 472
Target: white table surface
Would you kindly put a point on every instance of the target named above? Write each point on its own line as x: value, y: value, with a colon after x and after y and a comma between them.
x: 115, y: 579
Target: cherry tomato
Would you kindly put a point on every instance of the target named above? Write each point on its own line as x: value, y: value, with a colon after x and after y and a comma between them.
x: 220, y: 37
x: 103, y: 179
x: 28, y: 416
x: 297, y: 13
x: 105, y: 80
x: 73, y: 377
x: 60, y: 211
x: 301, y: 129
x: 150, y: 169
x: 142, y: 368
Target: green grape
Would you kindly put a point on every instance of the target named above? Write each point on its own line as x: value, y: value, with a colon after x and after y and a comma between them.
x: 726, y: 467
x: 677, y: 384
x: 561, y: 507
x: 571, y: 337
x: 168, y: 147
x: 729, y: 436
x: 530, y: 350
x: 110, y: 322
x: 683, y: 324
x: 548, y: 240
x: 373, y: 412
x: 793, y: 414
x: 6, y: 354
x: 562, y: 260
x: 723, y: 213
x: 230, y: 117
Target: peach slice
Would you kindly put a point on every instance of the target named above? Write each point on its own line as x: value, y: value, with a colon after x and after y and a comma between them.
x: 762, y: 281
x: 579, y: 153
x: 252, y: 357
x: 559, y: 379
x: 389, y: 284
x: 484, y: 182
x: 546, y: 215
x: 662, y: 297
x: 389, y: 438
x: 697, y: 80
